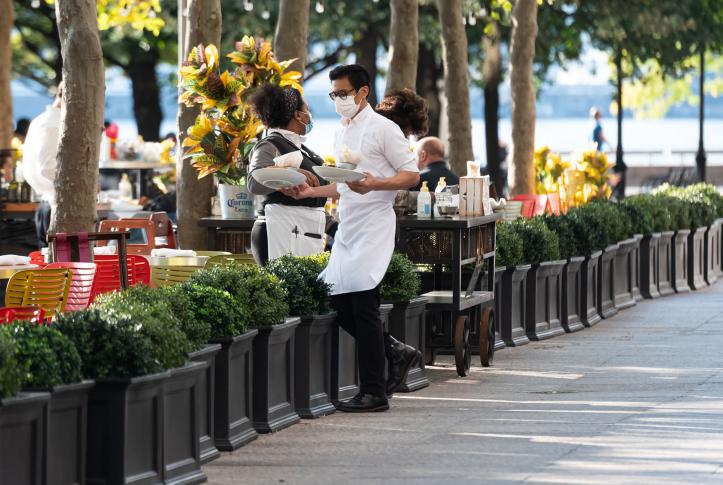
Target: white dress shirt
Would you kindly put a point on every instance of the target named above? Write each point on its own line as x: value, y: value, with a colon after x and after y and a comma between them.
x: 41, y: 151
x: 364, y: 242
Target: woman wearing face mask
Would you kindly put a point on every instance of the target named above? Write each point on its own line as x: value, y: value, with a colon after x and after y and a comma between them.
x: 285, y: 225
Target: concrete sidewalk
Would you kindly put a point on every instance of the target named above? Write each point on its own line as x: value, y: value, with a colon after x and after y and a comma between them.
x: 638, y: 399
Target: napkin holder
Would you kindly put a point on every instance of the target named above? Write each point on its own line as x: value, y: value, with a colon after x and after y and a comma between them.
x: 474, y: 196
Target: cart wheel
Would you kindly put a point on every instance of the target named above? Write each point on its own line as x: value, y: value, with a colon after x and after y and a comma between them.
x: 462, y: 346
x: 429, y: 356
x: 487, y: 337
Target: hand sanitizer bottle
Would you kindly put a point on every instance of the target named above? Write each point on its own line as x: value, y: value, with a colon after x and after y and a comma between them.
x: 424, y: 202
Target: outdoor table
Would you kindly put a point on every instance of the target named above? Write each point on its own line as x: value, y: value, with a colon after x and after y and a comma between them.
x: 6, y: 272
x: 457, y: 311
x: 232, y: 235
x: 145, y: 171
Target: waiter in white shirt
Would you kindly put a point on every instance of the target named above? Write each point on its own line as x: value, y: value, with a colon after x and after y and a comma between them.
x: 40, y: 161
x: 364, y: 242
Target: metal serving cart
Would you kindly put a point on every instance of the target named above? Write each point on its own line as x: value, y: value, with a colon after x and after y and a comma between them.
x: 455, y: 248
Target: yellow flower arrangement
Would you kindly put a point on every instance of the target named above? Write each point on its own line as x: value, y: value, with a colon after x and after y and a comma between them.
x: 226, y: 130
x: 549, y: 171
x: 329, y: 160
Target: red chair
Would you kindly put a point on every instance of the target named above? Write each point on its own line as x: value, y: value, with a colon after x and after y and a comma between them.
x: 528, y: 204
x: 141, y: 233
x: 107, y: 273
x: 30, y: 313
x: 553, y: 204
x: 81, y: 285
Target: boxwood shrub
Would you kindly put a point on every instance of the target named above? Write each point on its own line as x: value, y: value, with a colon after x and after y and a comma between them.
x: 259, y: 294
x: 538, y: 242
x: 151, y: 310
x: 565, y: 228
x: 307, y: 293
x: 676, y: 208
x: 508, y: 247
x: 401, y: 281
x: 46, y: 357
x: 9, y: 372
x: 712, y: 194
x: 215, y: 307
x: 589, y: 232
x: 117, y: 347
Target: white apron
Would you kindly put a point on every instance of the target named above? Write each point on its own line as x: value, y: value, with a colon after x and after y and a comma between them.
x: 294, y: 230
x: 364, y: 242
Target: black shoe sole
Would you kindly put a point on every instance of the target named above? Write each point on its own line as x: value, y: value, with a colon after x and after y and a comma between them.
x: 411, y: 363
x: 376, y: 409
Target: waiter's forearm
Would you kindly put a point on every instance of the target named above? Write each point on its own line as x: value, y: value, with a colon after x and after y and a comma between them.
x: 401, y: 181
x: 325, y: 191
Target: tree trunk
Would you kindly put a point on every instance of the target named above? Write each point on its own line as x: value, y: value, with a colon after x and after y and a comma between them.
x: 403, y: 45
x: 522, y: 53
x: 454, y: 55
x: 199, y: 21
x: 6, y: 100
x: 428, y: 72
x: 292, y: 31
x: 81, y: 119
x: 146, y: 95
x: 366, y: 55
x: 492, y: 77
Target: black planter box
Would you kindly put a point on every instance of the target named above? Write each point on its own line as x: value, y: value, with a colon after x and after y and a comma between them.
x: 273, y: 377
x: 666, y: 255
x: 544, y: 282
x: 312, y: 381
x: 570, y: 295
x: 649, y: 252
x: 23, y: 438
x: 207, y: 389
x: 606, y: 282
x: 590, y: 270
x: 696, y: 258
x: 499, y: 341
x: 182, y: 399
x: 513, y: 302
x: 712, y: 253
x: 623, y: 274
x: 67, y: 432
x: 719, y: 247
x: 125, y: 431
x: 679, y: 261
x: 635, y: 268
x: 233, y: 392
x: 407, y: 323
x: 344, y: 365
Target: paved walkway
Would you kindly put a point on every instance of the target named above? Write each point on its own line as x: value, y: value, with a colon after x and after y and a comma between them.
x: 638, y: 399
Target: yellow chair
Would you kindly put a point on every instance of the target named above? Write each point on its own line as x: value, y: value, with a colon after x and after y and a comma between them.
x: 230, y: 260
x: 211, y: 254
x: 43, y: 288
x: 174, y: 270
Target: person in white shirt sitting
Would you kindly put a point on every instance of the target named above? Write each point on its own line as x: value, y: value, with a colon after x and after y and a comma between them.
x: 40, y: 161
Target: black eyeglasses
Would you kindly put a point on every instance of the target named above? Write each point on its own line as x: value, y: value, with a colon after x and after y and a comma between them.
x: 340, y: 94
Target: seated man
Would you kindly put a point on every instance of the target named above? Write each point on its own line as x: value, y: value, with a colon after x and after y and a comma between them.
x: 430, y: 160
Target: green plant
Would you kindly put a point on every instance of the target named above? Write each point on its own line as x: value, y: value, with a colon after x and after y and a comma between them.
x: 215, y: 307
x: 538, y: 242
x: 259, y: 294
x: 656, y: 217
x: 46, y: 357
x: 109, y: 347
x: 711, y: 193
x: 564, y: 227
x: 9, y: 373
x: 148, y: 308
x: 509, y: 246
x: 401, y: 282
x: 676, y: 207
x: 198, y: 330
x: 613, y: 219
x: 639, y: 214
x: 308, y: 294
x: 702, y: 209
x: 588, y: 231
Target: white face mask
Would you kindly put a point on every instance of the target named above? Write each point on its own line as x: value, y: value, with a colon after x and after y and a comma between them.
x: 346, y: 107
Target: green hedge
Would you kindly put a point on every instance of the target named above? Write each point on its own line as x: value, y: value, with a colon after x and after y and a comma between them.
x: 508, y: 245
x: 9, y: 372
x: 307, y: 293
x: 215, y: 307
x: 538, y: 242
x: 401, y: 282
x: 45, y: 357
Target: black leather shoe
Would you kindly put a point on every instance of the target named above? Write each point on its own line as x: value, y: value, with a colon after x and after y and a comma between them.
x: 401, y: 358
x: 364, y: 403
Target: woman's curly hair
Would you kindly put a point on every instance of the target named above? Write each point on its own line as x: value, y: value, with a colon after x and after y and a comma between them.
x: 407, y: 109
x: 275, y: 106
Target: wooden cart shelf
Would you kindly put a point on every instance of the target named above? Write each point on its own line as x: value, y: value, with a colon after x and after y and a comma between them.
x: 443, y: 300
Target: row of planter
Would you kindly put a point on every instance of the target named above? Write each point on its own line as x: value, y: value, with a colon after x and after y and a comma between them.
x: 130, y: 421
x: 561, y: 292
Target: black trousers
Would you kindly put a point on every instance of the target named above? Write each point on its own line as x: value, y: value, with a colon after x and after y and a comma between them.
x: 260, y: 242
x: 358, y: 314
x: 42, y: 223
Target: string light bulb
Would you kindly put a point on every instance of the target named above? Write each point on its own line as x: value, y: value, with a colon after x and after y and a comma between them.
x: 248, y: 5
x: 319, y: 7
x: 265, y: 14
x: 472, y: 20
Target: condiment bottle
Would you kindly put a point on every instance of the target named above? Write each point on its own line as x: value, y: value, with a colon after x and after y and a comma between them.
x: 424, y: 202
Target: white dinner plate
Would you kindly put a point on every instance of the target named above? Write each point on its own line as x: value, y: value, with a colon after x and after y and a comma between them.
x: 338, y: 175
x: 278, y: 178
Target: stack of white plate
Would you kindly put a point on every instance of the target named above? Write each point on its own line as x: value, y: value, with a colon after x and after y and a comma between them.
x: 512, y: 210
